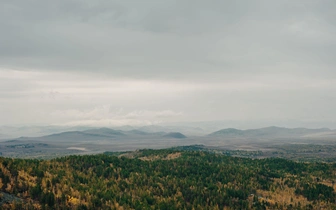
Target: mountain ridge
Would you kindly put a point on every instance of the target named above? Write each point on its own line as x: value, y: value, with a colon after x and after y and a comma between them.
x: 101, y: 134
x: 266, y: 131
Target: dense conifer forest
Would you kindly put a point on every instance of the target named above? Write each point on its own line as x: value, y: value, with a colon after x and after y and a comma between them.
x: 165, y: 179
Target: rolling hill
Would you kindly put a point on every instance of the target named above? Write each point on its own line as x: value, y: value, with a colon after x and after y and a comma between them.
x: 273, y: 131
x: 175, y: 135
x: 101, y: 134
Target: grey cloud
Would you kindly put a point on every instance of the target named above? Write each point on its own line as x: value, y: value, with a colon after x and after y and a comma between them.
x: 168, y: 39
x: 210, y: 60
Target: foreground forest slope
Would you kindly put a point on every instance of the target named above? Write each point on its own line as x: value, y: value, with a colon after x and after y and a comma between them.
x: 165, y: 179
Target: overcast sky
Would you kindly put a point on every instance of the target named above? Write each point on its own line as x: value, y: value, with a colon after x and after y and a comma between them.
x: 108, y: 63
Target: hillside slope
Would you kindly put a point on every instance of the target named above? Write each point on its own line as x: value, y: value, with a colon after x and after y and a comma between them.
x: 166, y: 179
x: 175, y: 135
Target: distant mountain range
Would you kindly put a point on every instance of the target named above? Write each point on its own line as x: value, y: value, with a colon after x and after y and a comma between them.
x: 272, y: 131
x: 108, y: 133
x: 102, y: 134
x: 98, y: 140
x: 11, y: 132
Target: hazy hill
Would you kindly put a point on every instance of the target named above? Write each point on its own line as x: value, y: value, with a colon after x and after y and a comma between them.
x: 105, y: 132
x: 228, y: 132
x: 101, y: 134
x: 175, y: 135
x: 70, y: 136
x: 272, y: 131
x: 36, y: 131
x: 143, y: 133
x: 77, y: 136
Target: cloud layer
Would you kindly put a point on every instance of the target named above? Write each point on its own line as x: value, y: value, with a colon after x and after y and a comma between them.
x: 75, y: 61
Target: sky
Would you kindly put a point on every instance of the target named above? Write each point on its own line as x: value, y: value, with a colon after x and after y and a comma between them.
x: 114, y: 63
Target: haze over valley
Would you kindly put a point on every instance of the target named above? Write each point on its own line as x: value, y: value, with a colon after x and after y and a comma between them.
x: 267, y: 140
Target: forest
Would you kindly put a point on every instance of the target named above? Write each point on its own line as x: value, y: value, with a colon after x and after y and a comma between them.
x: 165, y: 179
